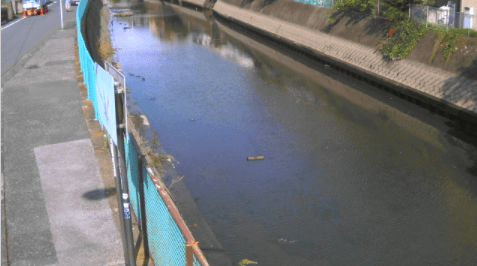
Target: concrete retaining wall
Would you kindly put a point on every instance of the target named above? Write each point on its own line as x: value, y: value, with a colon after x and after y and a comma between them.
x: 416, y: 79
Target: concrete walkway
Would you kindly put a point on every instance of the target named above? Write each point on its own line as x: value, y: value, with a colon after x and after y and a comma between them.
x: 50, y: 169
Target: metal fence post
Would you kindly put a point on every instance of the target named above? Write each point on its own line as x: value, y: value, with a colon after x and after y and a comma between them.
x: 447, y: 20
x: 427, y: 15
x: 142, y: 203
x: 124, y: 179
x: 117, y: 180
x: 189, y: 252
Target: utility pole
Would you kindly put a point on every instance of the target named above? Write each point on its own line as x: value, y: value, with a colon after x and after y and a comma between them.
x: 378, y: 7
x: 14, y: 4
x: 61, y: 14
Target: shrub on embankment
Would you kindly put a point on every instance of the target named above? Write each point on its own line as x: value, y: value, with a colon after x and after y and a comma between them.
x: 450, y: 51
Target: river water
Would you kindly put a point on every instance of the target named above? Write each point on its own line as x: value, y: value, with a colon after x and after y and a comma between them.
x: 351, y: 175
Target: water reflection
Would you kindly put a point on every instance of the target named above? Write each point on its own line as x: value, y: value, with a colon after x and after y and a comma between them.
x: 351, y: 176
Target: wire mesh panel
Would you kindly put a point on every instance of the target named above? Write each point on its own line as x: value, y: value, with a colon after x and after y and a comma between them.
x: 165, y: 240
x: 443, y: 18
x: 325, y: 3
x: 133, y: 180
x: 466, y: 21
x: 419, y: 14
x: 92, y: 92
x: 166, y: 243
x: 81, y: 9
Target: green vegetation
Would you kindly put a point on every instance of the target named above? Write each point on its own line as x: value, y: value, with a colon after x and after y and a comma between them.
x: 246, y: 262
x: 407, y: 33
x: 355, y: 5
x: 391, y: 9
x: 405, y: 36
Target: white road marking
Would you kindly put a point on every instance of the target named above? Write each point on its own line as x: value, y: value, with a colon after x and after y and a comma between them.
x: 13, y: 23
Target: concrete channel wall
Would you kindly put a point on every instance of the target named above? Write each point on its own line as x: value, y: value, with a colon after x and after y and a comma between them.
x: 448, y: 91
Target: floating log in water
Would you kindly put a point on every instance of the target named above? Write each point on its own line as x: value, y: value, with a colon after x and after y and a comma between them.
x: 123, y: 14
x: 254, y: 158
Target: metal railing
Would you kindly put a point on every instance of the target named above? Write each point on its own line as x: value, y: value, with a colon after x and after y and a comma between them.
x: 167, y: 239
x: 442, y: 18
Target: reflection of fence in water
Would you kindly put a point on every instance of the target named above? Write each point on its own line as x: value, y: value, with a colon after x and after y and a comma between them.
x: 430, y: 15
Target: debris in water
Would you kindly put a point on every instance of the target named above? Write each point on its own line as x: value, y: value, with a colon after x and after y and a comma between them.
x: 284, y: 240
x: 246, y: 262
x: 123, y: 14
x: 254, y: 158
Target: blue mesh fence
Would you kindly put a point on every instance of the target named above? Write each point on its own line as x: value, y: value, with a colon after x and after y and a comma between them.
x: 166, y: 243
x: 165, y: 240
x: 133, y: 181
x: 325, y: 3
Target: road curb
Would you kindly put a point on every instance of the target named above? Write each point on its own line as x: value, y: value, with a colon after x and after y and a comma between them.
x: 4, y: 233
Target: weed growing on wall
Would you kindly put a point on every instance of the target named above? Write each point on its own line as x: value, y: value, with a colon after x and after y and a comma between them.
x: 407, y: 33
x: 453, y: 40
x: 439, y: 40
x: 355, y: 5
x: 449, y: 47
x: 103, y: 45
x: 405, y: 36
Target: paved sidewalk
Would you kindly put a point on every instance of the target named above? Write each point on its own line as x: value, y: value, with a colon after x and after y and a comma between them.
x: 56, y: 204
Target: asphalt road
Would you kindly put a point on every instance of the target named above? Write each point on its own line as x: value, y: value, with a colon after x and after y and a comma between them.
x: 23, y: 36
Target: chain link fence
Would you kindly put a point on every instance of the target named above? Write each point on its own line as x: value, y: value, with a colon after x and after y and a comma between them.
x: 442, y: 19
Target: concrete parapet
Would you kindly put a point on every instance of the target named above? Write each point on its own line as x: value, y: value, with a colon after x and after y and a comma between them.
x: 415, y: 77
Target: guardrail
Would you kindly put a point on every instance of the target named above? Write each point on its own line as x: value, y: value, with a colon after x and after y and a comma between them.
x: 168, y: 240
